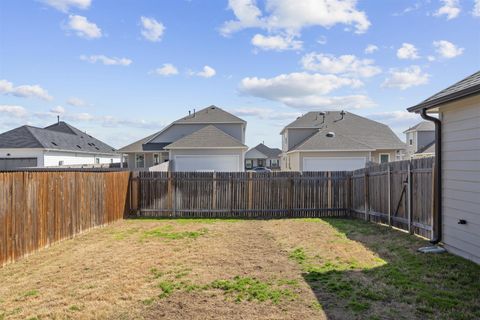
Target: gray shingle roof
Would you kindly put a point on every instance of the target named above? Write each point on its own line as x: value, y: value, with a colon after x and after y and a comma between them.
x: 59, y: 136
x: 207, y: 137
x: 212, y: 114
x: 269, y: 152
x: 422, y: 126
x: 137, y: 146
x: 373, y: 134
x: 321, y: 141
x: 463, y: 88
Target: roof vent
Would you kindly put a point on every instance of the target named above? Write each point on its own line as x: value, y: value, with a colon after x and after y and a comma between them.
x: 79, y: 147
x: 54, y: 143
x: 330, y: 134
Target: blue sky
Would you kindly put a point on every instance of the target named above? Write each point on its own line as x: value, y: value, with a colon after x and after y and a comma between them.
x: 121, y: 70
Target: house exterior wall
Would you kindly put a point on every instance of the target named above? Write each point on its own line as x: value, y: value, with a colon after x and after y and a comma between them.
x: 53, y: 158
x: 461, y: 177
x: 177, y: 131
x: 424, y: 138
x: 392, y: 153
x: 239, y: 152
x: 131, y: 164
x: 295, y: 136
x: 23, y: 153
x: 47, y: 158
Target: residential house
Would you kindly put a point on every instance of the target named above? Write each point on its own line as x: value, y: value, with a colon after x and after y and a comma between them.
x: 59, y: 144
x: 207, y: 140
x: 337, y: 140
x: 420, y: 140
x: 263, y: 156
x: 457, y: 156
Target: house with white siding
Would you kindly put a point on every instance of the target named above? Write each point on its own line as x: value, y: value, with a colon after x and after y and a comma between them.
x: 420, y: 140
x: 210, y: 139
x: 457, y: 124
x: 57, y: 145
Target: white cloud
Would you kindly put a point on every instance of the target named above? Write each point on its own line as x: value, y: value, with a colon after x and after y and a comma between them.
x: 152, y: 30
x: 111, y: 121
x: 264, y: 114
x: 285, y: 15
x: 398, y: 120
x: 407, y: 51
x: 65, y: 5
x: 305, y: 90
x: 13, y: 111
x: 109, y: 61
x: 58, y: 110
x: 76, y: 102
x: 450, y: 8
x: 405, y: 78
x: 167, y: 69
x: 345, y: 64
x: 447, y: 49
x: 24, y: 91
x: 83, y: 116
x: 277, y: 43
x: 84, y: 28
x: 207, y: 72
x: 476, y: 9
x: 371, y: 48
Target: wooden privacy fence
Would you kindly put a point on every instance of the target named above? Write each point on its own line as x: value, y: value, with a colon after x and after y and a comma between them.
x: 40, y: 208
x: 399, y: 194
x: 241, y: 194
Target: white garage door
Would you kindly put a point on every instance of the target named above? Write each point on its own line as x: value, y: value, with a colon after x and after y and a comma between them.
x: 207, y: 163
x: 333, y: 164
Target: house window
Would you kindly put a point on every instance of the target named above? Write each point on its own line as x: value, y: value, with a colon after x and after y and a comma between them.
x: 111, y: 160
x: 140, y: 160
x: 248, y: 163
x: 384, y: 157
x: 156, y: 159
x: 274, y: 163
x: 60, y: 163
x: 261, y: 162
x: 97, y: 160
x: 410, y: 142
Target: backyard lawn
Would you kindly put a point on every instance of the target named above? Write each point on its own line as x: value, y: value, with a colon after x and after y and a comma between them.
x: 232, y: 269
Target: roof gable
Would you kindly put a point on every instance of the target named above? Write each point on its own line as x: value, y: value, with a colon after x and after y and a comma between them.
x: 269, y: 152
x: 205, y: 138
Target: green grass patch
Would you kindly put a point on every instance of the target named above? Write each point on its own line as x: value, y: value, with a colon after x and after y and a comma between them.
x: 74, y: 308
x: 30, y: 293
x: 246, y: 288
x: 167, y: 232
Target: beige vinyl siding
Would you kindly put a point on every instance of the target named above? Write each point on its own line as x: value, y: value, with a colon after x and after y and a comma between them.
x: 461, y: 176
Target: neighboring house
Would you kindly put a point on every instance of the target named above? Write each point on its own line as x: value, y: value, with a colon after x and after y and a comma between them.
x: 57, y: 145
x: 420, y: 140
x: 263, y: 156
x: 334, y: 140
x: 458, y: 155
x: 207, y: 140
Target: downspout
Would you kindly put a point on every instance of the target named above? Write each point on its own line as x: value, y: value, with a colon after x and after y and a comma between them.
x: 438, y: 174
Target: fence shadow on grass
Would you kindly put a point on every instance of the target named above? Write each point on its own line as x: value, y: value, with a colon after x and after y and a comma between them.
x: 399, y: 284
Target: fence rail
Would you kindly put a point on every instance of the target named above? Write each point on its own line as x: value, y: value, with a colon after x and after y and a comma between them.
x: 399, y: 194
x: 40, y: 208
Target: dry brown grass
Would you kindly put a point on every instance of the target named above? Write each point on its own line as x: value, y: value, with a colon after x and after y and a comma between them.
x: 169, y: 269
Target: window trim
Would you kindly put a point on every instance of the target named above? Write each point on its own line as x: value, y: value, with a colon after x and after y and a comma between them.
x: 136, y: 162
x: 153, y: 158
x: 380, y: 157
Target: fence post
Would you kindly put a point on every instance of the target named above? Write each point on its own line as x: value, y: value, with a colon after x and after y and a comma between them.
x: 250, y: 191
x: 367, y: 196
x: 329, y: 190
x: 349, y: 194
x: 433, y: 216
x: 389, y: 195
x: 214, y: 191
x: 409, y: 196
